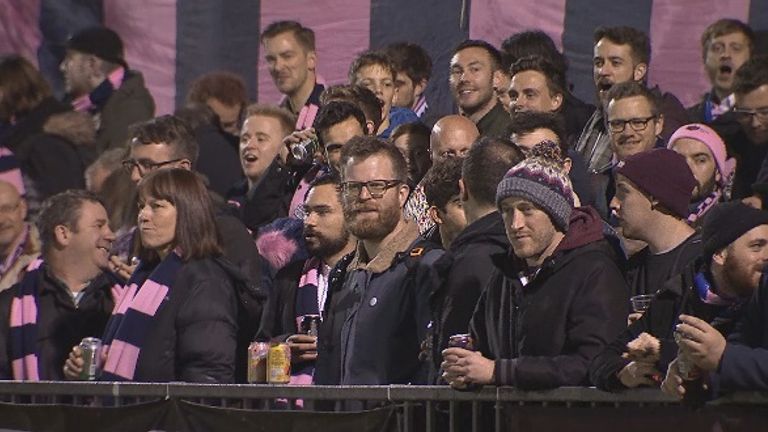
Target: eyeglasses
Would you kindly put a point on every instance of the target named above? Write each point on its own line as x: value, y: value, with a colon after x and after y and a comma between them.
x: 747, y: 115
x: 637, y: 124
x: 144, y: 166
x: 377, y: 188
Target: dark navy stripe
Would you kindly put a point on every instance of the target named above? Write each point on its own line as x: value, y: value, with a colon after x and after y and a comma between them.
x: 22, y: 337
x: 59, y: 20
x: 581, y: 19
x: 216, y: 35
x: 140, y: 323
x: 758, y: 20
x: 436, y: 25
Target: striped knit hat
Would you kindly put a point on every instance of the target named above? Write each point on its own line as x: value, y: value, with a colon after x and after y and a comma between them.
x: 540, y: 181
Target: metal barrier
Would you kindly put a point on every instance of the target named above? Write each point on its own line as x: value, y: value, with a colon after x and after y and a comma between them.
x: 427, y: 408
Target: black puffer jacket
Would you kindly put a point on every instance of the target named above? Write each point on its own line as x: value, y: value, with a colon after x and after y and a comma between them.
x: 545, y: 333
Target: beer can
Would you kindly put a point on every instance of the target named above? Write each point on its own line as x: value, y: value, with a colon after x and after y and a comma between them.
x: 257, y: 362
x: 462, y: 340
x: 279, y: 364
x: 305, y: 150
x: 310, y: 324
x: 91, y: 349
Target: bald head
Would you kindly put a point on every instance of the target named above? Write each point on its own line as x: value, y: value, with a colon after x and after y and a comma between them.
x: 452, y: 135
x: 13, y: 210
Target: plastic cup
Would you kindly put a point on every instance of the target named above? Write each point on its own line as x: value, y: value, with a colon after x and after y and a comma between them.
x: 641, y: 302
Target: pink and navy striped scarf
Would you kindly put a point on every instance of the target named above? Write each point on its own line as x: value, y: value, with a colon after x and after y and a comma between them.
x: 23, y: 329
x: 306, y: 304
x: 133, y: 318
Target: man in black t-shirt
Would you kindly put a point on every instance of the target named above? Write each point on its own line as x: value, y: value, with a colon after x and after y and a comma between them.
x: 653, y: 190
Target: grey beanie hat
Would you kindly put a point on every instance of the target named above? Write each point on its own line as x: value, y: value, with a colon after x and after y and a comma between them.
x: 544, y: 184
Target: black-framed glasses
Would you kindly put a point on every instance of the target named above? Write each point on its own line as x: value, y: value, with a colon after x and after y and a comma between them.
x: 748, y: 114
x: 376, y: 188
x: 637, y: 124
x: 144, y: 165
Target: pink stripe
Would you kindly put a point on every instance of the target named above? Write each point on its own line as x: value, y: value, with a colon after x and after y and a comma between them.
x: 302, y: 119
x: 25, y: 368
x: 676, y: 63
x: 148, y: 30
x: 126, y: 299
x: 20, y: 29
x: 34, y: 265
x: 149, y: 298
x: 122, y: 359
x: 496, y: 20
x: 337, y: 39
x: 23, y: 311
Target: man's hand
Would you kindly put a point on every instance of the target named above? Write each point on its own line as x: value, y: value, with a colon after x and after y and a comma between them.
x: 638, y: 373
x: 463, y: 367
x: 634, y: 316
x: 701, y: 342
x: 673, y: 383
x: 303, y: 348
x: 73, y: 366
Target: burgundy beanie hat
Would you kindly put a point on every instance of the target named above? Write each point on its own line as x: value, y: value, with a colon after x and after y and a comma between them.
x: 664, y: 175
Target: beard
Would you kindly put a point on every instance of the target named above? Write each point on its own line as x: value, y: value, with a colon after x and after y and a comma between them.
x: 741, y: 277
x: 324, y: 246
x: 365, y: 227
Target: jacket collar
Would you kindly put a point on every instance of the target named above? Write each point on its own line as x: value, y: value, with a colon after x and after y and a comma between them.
x: 399, y: 243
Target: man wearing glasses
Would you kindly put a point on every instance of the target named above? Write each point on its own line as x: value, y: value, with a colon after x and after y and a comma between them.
x: 749, y: 143
x: 375, y: 320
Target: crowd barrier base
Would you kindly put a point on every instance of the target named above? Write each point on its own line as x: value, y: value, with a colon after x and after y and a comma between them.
x: 88, y: 406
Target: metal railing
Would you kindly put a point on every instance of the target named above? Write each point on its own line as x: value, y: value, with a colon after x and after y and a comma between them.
x: 419, y: 408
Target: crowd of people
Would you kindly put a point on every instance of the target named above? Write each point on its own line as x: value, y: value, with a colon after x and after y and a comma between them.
x: 528, y: 226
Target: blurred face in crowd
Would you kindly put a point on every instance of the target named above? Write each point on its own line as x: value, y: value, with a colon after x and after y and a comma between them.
x: 157, y: 224
x: 530, y: 230
x: 289, y: 64
x: 451, y: 220
x: 452, y: 136
x: 407, y: 92
x: 724, y: 55
x: 13, y: 211
x: 501, y: 90
x: 632, y: 125
x: 91, y: 238
x: 632, y: 208
x: 613, y: 64
x: 472, y: 80
x: 260, y: 143
x: 336, y: 136
x: 527, y: 140
x: 372, y: 215
x: 144, y: 158
x: 78, y: 70
x: 702, y: 164
x: 229, y: 115
x: 381, y: 82
x: 742, y: 262
x: 752, y: 114
x: 528, y: 91
x: 324, y: 231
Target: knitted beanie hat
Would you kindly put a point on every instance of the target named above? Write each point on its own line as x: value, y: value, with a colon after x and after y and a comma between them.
x: 726, y: 222
x: 705, y: 135
x: 662, y: 174
x: 100, y: 42
x: 540, y: 181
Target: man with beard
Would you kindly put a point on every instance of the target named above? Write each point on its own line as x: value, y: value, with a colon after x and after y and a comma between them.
x: 653, y: 190
x: 621, y: 54
x: 714, y: 289
x: 289, y: 49
x: 300, y: 289
x: 377, y: 317
x: 740, y: 245
x: 726, y: 44
x: 475, y: 72
x: 553, y: 300
x: 705, y: 153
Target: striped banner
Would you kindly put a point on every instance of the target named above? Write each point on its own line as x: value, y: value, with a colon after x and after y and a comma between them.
x: 174, y: 41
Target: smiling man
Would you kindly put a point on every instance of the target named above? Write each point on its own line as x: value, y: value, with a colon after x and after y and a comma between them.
x: 289, y: 49
x: 68, y: 293
x: 553, y: 300
x: 475, y: 72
